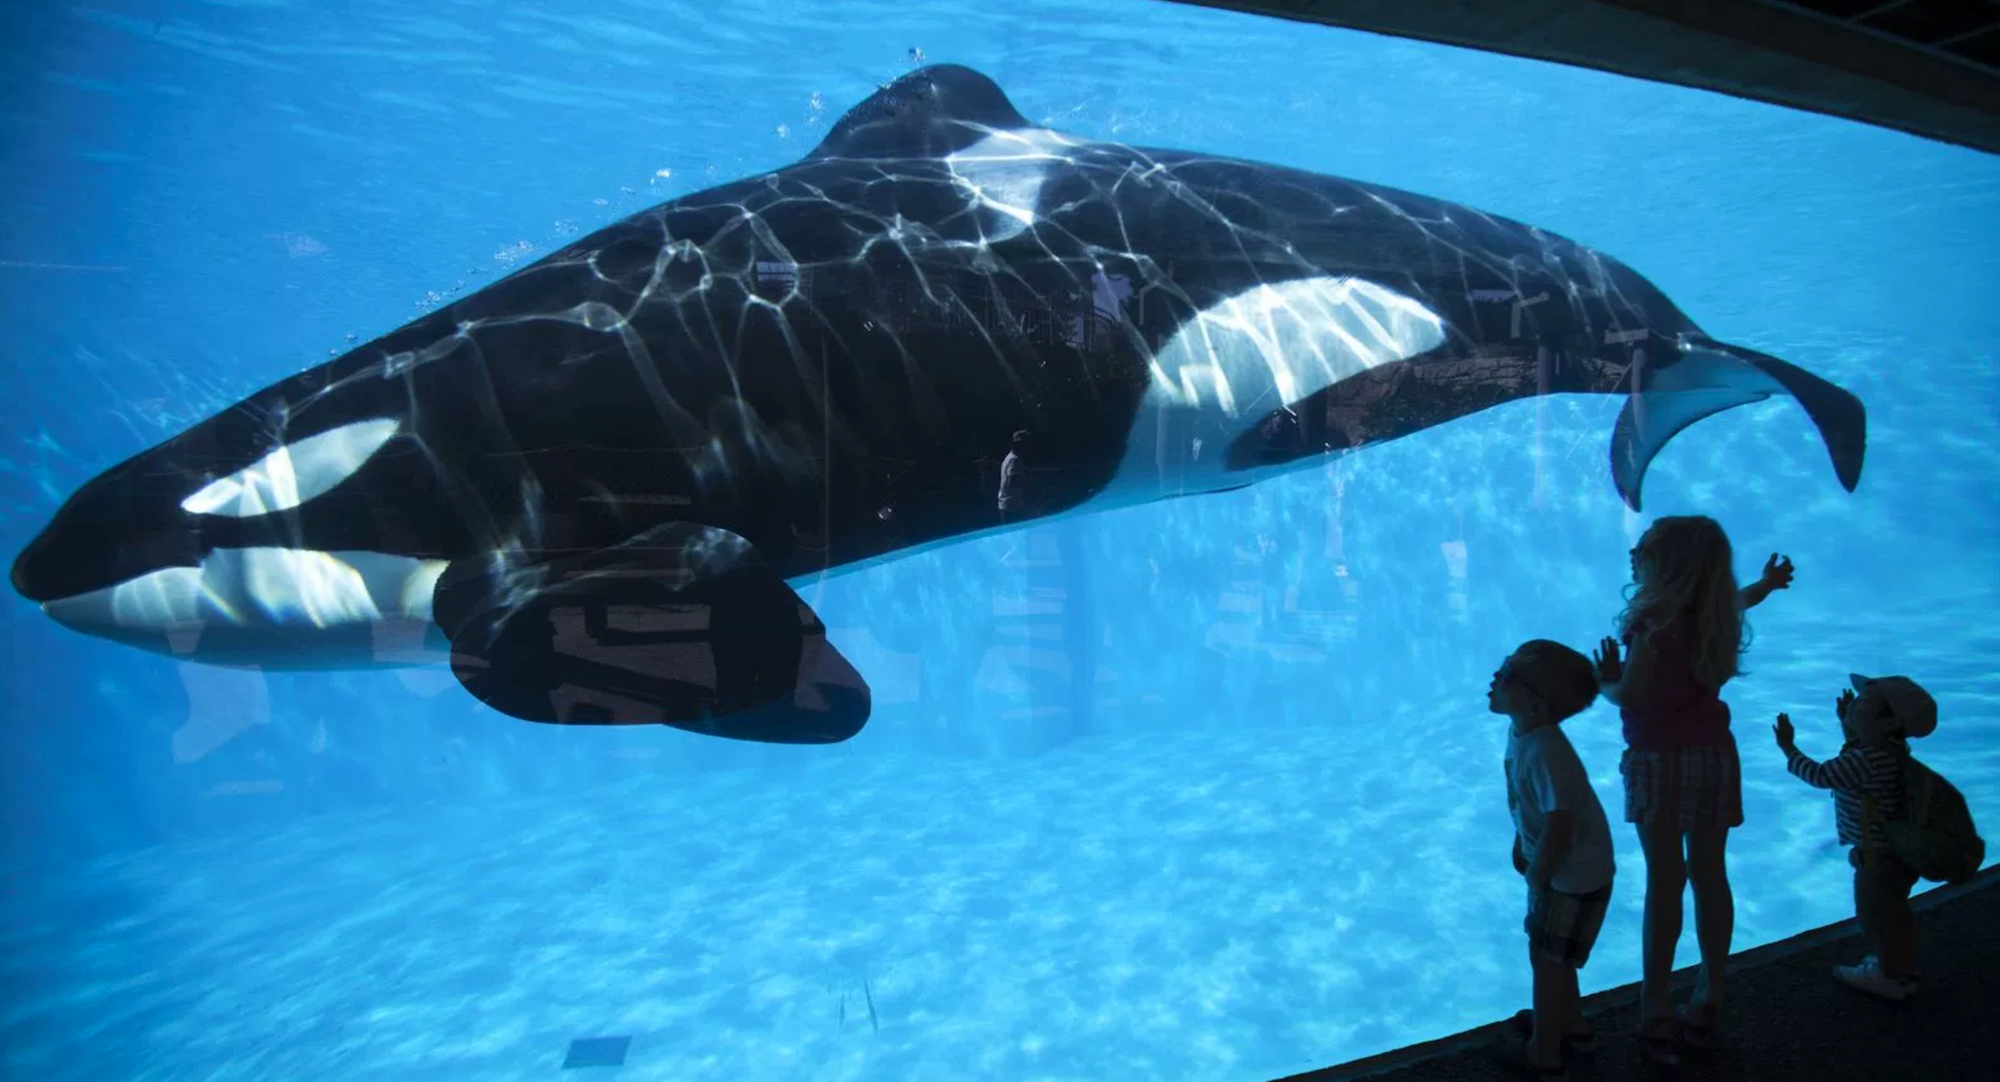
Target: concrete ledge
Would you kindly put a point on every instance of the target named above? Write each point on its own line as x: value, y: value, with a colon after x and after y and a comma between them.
x: 1782, y: 981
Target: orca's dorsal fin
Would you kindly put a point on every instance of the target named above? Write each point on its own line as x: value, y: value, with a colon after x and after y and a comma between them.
x: 929, y: 113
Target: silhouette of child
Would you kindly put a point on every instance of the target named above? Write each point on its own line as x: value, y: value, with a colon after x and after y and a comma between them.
x: 1562, y: 843
x: 1013, y: 495
x: 1683, y: 632
x: 1868, y: 770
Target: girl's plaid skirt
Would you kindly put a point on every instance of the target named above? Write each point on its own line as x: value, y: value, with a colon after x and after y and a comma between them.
x: 1694, y: 786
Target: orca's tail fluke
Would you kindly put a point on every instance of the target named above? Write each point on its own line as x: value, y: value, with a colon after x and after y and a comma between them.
x: 1710, y: 376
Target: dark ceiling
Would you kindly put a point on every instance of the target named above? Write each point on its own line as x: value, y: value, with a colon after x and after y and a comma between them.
x: 1928, y: 67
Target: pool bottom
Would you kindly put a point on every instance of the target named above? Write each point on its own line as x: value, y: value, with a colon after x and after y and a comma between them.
x: 1229, y: 905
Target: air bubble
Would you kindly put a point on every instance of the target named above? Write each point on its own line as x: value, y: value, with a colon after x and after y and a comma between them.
x: 514, y: 253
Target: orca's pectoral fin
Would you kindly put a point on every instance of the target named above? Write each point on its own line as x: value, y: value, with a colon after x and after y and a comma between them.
x: 684, y: 625
x: 1714, y: 376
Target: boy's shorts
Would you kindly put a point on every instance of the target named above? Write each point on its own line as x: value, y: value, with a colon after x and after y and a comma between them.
x: 1564, y: 926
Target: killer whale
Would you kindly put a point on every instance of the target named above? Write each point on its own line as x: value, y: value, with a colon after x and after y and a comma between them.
x: 596, y: 485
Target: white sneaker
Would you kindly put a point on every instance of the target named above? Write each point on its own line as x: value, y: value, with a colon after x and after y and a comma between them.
x: 1909, y: 979
x: 1869, y: 978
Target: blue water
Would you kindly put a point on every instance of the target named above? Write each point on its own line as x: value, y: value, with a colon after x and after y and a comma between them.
x: 1268, y: 834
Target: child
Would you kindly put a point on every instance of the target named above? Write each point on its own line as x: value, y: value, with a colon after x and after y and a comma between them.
x: 1013, y: 497
x: 1683, y: 633
x: 1561, y: 840
x: 1868, y: 770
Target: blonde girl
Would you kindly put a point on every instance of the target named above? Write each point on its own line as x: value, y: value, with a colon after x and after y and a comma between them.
x: 1683, y: 635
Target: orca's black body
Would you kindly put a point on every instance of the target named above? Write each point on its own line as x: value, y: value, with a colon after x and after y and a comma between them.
x: 596, y: 477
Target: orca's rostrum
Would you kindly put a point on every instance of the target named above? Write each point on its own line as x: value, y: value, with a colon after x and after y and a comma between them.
x: 592, y: 484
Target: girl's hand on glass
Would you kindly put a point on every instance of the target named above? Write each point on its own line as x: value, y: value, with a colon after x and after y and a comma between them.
x: 1609, y: 669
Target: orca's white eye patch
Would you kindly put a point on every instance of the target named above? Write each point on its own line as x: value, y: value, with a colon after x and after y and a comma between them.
x: 294, y: 473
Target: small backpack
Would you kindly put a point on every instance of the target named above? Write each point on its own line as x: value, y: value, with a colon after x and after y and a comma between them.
x: 1934, y: 836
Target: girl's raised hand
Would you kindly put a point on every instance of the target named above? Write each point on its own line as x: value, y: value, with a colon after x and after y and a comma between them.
x: 1778, y: 572
x: 1783, y: 729
x: 1609, y: 669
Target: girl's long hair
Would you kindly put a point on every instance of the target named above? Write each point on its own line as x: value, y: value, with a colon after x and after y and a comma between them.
x: 1685, y: 566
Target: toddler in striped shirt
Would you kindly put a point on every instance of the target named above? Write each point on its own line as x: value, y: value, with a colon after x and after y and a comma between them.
x: 1877, y: 716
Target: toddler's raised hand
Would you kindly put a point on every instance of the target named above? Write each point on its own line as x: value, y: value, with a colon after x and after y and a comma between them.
x: 1783, y: 729
x: 1841, y: 704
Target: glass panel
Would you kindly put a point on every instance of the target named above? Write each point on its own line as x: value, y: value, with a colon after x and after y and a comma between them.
x: 1177, y: 757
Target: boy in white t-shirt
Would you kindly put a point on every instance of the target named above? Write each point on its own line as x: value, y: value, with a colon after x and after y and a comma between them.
x: 1562, y: 842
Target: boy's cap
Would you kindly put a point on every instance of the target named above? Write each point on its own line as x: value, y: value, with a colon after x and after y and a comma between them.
x: 1912, y: 706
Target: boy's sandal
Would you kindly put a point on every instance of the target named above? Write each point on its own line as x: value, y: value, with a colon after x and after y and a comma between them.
x: 1524, y: 1024
x: 1698, y: 1025
x: 1514, y: 1057
x: 1658, y: 1042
